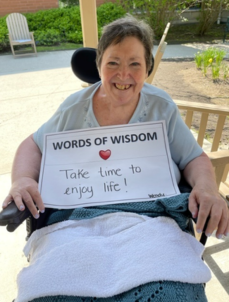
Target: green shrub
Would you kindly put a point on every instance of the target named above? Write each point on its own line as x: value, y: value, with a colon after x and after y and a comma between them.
x: 48, y: 37
x: 75, y: 37
x: 70, y: 21
x: 64, y: 20
x: 4, y: 39
x: 109, y: 12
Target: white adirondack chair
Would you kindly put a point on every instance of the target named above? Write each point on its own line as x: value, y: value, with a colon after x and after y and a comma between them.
x: 19, y: 33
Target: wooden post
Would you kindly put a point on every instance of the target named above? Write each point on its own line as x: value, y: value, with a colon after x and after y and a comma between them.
x: 89, y: 23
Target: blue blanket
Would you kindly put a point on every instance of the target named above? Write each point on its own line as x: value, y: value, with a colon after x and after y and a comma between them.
x: 175, y: 207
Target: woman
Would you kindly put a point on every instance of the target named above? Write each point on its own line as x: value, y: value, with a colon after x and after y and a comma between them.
x: 123, y: 60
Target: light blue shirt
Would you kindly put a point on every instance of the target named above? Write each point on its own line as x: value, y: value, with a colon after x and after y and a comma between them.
x: 76, y: 112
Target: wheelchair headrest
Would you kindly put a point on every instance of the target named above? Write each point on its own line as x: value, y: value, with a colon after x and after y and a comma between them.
x: 84, y: 65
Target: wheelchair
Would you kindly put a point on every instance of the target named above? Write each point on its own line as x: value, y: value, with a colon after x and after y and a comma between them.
x: 84, y: 67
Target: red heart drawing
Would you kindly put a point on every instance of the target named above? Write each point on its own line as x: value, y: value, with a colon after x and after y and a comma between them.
x: 105, y: 154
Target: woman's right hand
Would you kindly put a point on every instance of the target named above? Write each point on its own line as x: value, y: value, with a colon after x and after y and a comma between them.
x: 24, y: 191
x: 24, y: 176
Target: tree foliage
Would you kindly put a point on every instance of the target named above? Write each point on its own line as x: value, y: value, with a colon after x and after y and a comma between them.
x: 157, y: 12
x: 209, y: 12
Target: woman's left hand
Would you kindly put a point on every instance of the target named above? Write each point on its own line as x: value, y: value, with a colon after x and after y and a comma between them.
x: 208, y: 204
x: 205, y: 202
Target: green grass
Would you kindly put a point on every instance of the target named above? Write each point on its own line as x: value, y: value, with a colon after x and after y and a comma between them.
x: 63, y: 46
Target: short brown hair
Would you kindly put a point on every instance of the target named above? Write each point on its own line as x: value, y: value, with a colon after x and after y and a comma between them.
x: 118, y: 30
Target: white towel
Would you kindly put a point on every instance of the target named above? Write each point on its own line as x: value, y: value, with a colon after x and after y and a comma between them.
x: 108, y: 255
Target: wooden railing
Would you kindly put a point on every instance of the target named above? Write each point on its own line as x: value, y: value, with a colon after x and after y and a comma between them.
x: 219, y: 158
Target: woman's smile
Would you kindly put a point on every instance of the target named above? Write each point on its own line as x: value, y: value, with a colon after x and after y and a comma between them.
x: 122, y: 86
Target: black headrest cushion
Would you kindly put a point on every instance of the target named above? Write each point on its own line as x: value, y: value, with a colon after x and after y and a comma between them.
x: 84, y: 66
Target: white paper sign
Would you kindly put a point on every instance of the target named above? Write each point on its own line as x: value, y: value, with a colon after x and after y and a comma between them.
x: 107, y: 165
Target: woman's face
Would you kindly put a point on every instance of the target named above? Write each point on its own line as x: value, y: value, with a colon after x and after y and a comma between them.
x: 123, y: 71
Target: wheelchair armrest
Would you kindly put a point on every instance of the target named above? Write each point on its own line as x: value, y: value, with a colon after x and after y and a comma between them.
x: 11, y: 217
